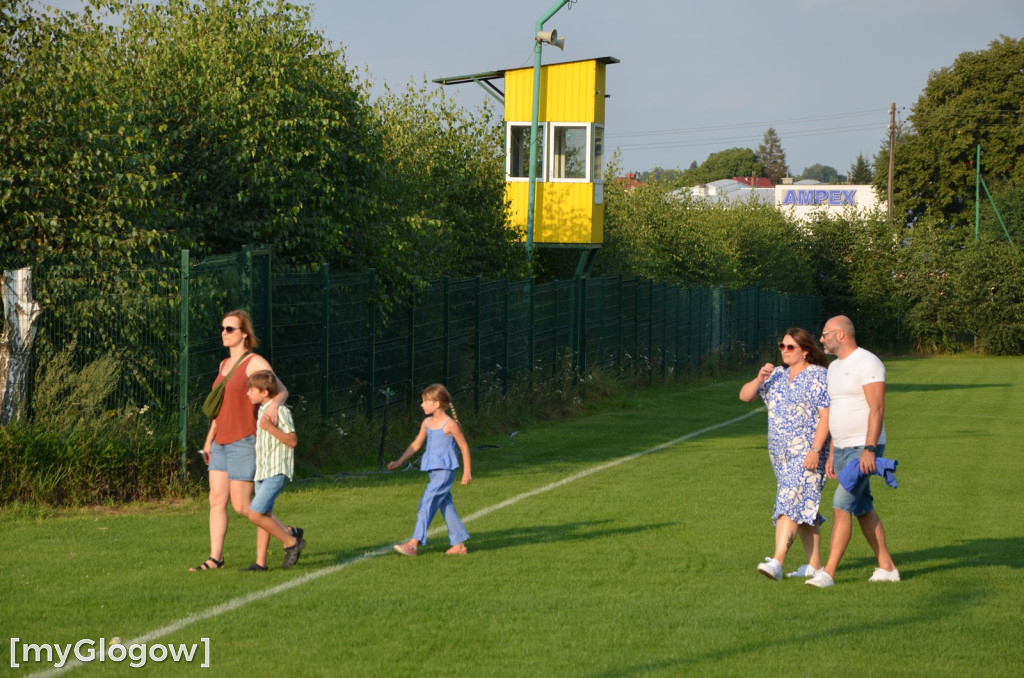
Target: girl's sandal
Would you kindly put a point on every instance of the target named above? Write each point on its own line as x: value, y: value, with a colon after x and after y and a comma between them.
x: 457, y: 550
x: 217, y: 564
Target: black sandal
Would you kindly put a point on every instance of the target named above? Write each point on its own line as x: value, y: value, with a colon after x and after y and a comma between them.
x: 255, y: 567
x: 217, y: 564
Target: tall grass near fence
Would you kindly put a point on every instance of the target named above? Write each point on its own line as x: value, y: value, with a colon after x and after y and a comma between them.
x: 74, y: 449
x: 599, y: 547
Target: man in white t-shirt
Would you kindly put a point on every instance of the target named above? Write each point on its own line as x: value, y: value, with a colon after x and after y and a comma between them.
x: 856, y: 387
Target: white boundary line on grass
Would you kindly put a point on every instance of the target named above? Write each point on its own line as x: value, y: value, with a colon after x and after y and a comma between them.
x: 218, y: 610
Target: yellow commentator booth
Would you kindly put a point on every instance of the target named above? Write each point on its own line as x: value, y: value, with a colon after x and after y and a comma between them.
x: 569, y: 189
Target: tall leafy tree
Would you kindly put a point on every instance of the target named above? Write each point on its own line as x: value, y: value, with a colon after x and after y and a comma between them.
x: 977, y: 100
x: 199, y: 125
x: 177, y: 125
x: 445, y: 177
x: 732, y: 162
x: 823, y: 173
x: 772, y: 157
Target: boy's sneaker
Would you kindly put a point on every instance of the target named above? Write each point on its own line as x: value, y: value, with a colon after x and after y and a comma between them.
x: 255, y: 567
x: 804, y: 571
x: 821, y: 580
x: 291, y: 554
x: 406, y: 549
x: 771, y: 569
x: 885, y: 575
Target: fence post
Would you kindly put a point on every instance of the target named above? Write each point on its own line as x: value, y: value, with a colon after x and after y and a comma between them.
x: 247, y: 279
x: 446, y: 328
x: 410, y: 351
x: 574, y: 297
x: 371, y: 377
x: 679, y: 325
x: 325, y: 336
x: 555, y: 328
x: 618, y: 324
x: 504, y: 360
x: 636, y: 325
x: 183, y: 349
x: 582, y: 343
x: 664, y: 331
x: 267, y: 302
x: 531, y: 351
x: 601, y: 320
x: 476, y: 344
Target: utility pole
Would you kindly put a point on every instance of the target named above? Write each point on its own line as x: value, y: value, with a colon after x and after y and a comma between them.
x: 892, y: 153
x: 532, y: 190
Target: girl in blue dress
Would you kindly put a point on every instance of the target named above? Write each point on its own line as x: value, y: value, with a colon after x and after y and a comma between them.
x: 796, y: 395
x: 443, y: 437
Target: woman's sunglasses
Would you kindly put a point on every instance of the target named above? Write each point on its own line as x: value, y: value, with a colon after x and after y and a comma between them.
x: 229, y: 330
x: 787, y: 347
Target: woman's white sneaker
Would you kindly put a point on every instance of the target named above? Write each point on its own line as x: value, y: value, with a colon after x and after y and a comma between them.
x: 885, y: 575
x: 771, y: 569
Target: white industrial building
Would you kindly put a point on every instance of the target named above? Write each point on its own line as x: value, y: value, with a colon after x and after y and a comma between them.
x: 800, y: 200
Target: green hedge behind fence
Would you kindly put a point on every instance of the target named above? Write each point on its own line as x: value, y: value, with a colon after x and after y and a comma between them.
x: 336, y: 351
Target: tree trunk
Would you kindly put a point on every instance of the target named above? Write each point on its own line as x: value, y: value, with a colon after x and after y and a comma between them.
x: 21, y: 315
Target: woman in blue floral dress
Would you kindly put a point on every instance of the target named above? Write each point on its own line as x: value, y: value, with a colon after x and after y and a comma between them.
x: 796, y: 394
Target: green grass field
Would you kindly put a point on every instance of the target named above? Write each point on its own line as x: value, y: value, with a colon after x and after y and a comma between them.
x: 587, y: 558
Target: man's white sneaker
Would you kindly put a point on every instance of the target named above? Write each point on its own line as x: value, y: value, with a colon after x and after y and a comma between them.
x: 771, y: 568
x: 885, y: 575
x: 804, y: 571
x: 821, y: 580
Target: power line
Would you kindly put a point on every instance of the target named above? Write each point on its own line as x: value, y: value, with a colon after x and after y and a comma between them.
x: 762, y: 124
x: 718, y: 141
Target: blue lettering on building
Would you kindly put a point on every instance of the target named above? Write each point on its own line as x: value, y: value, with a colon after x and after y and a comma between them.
x: 820, y: 197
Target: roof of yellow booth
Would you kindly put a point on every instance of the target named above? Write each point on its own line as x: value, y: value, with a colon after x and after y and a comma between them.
x: 486, y: 77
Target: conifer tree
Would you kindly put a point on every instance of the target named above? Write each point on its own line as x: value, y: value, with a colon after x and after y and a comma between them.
x: 772, y: 157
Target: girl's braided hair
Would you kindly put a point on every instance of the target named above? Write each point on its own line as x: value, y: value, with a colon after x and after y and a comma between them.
x: 439, y: 393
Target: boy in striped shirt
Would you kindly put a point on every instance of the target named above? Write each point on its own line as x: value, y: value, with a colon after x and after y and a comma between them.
x: 275, y: 463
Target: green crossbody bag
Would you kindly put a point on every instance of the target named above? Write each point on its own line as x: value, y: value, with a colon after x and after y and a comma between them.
x: 211, y: 406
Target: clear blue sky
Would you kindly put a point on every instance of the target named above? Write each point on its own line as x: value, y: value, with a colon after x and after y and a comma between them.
x: 694, y: 78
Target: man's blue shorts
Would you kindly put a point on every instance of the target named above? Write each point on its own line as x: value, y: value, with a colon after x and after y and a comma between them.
x: 266, y: 493
x: 858, y: 501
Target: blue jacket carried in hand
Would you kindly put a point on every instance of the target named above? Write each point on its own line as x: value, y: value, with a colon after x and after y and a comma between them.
x: 884, y: 467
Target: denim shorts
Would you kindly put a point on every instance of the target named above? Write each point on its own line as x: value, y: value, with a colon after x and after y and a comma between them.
x: 858, y: 501
x: 237, y: 458
x: 266, y: 492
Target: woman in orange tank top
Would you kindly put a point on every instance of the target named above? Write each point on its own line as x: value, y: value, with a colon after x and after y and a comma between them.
x: 230, y: 448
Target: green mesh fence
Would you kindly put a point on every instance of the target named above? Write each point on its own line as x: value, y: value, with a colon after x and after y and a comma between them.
x: 338, y: 354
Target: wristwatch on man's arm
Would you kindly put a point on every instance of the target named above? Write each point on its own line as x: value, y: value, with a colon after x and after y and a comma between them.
x: 870, y: 448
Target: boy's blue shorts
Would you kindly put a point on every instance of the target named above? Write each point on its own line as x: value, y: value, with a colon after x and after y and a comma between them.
x: 266, y: 492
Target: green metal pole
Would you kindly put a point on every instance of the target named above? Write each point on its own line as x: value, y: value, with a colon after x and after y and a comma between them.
x: 446, y: 330
x: 268, y: 299
x: 998, y: 215
x: 477, y: 338
x: 247, y: 279
x: 325, y: 337
x: 506, y: 373
x: 532, y: 193
x: 531, y: 351
x: 977, y: 194
x: 371, y: 376
x: 183, y: 340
